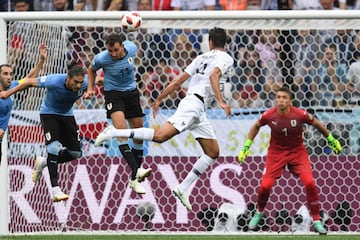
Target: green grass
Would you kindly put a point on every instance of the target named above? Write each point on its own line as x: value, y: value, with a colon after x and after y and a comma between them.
x: 152, y: 236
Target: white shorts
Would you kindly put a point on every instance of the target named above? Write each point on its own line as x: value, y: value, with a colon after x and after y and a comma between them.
x: 191, y: 115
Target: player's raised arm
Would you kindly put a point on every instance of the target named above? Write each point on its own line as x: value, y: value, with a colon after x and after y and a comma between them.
x: 43, y: 51
x: 23, y: 84
x: 173, y: 86
x: 91, y: 82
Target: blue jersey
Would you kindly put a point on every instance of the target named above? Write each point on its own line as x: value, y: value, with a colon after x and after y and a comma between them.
x: 5, y: 108
x: 119, y: 75
x: 58, y: 99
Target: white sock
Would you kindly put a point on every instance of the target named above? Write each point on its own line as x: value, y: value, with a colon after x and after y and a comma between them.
x: 199, y: 167
x: 56, y: 189
x: 43, y: 162
x: 135, y: 133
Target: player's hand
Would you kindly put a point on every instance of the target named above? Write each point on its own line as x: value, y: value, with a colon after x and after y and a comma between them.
x: 43, y: 51
x: 89, y: 94
x: 226, y: 108
x: 334, y: 144
x: 155, y: 108
x: 4, y: 94
x: 244, y: 152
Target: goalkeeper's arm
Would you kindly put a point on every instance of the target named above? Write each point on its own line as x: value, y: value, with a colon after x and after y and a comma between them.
x: 333, y: 143
x: 244, y: 152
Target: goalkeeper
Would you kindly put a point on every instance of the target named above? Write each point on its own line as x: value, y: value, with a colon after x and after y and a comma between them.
x: 287, y: 150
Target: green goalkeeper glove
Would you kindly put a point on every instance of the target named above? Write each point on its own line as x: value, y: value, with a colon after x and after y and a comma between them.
x: 334, y: 144
x: 245, y: 151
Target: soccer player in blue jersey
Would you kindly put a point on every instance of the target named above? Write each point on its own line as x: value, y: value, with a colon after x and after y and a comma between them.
x: 57, y: 118
x: 6, y: 83
x: 121, y: 99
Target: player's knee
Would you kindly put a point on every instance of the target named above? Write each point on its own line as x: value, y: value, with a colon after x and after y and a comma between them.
x: 159, y: 137
x: 308, y: 180
x: 75, y: 154
x: 213, y: 153
x: 54, y: 148
x: 309, y: 183
x: 211, y: 149
x: 267, y: 183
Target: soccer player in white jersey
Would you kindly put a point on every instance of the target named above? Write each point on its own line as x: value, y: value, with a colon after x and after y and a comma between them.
x: 207, y: 72
x: 122, y: 99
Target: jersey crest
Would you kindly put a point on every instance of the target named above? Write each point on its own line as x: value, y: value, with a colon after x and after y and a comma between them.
x: 109, y: 106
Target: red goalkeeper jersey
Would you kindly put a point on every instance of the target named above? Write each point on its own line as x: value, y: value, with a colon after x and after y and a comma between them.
x: 286, y: 129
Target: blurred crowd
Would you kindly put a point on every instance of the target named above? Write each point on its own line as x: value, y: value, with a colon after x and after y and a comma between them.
x: 158, y: 5
x: 322, y: 67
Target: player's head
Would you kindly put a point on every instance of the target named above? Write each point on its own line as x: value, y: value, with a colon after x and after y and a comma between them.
x: 6, y: 76
x: 144, y: 5
x: 217, y: 38
x: 75, y: 77
x: 283, y: 99
x: 115, y: 47
x: 21, y: 5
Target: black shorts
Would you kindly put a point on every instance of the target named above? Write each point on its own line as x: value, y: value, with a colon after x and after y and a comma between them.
x: 126, y: 102
x: 61, y: 128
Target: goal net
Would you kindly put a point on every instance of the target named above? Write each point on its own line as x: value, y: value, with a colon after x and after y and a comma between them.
x: 316, y: 54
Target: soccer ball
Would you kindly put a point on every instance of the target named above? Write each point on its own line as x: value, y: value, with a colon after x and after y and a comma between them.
x: 146, y: 211
x: 131, y: 21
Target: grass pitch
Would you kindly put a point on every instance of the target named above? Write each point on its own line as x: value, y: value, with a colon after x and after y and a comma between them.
x: 176, y: 236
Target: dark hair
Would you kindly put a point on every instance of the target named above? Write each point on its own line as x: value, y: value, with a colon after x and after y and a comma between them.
x: 218, y: 37
x: 287, y: 90
x: 20, y: 1
x: 113, y: 38
x: 4, y: 65
x: 75, y: 70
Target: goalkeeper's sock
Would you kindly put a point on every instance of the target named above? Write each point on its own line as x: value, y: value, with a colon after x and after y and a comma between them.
x: 312, y: 196
x: 53, y: 169
x: 130, y: 159
x: 136, y: 133
x: 199, y: 167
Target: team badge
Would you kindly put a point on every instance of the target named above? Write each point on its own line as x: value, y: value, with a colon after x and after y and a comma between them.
x: 48, y: 136
x: 109, y: 106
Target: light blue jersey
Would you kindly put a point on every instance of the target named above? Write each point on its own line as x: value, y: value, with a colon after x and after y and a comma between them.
x: 118, y: 74
x: 5, y: 108
x: 58, y: 99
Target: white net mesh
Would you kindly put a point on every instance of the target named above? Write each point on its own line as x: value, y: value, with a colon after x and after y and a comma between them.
x: 316, y: 58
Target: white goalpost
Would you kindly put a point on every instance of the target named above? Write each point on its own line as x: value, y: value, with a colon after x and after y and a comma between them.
x: 269, y: 51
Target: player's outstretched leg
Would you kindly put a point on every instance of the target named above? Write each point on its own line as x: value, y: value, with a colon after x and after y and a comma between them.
x: 58, y: 195
x: 40, y: 164
x: 319, y: 228
x: 183, y: 197
x: 143, y: 173
x: 104, y: 135
x: 255, y: 220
